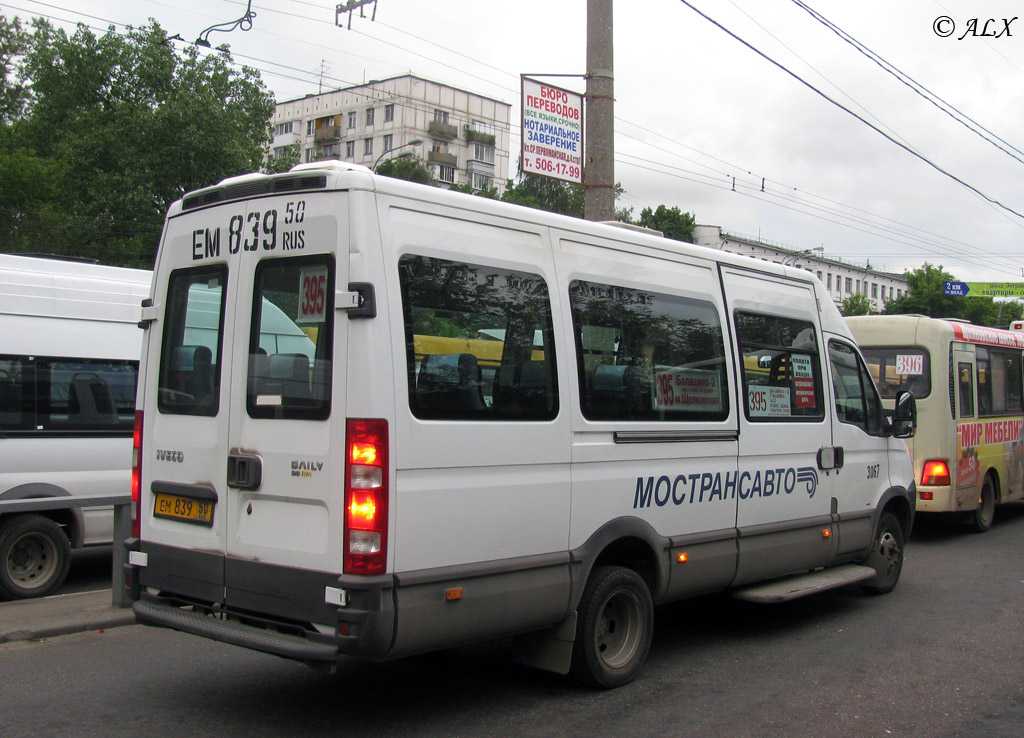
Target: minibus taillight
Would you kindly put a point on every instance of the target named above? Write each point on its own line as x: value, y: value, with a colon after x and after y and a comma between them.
x: 136, y: 473
x: 935, y: 473
x: 366, y: 496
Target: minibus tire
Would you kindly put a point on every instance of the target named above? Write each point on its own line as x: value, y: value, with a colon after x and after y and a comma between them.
x: 981, y: 519
x: 35, y: 556
x: 886, y: 556
x: 616, y: 622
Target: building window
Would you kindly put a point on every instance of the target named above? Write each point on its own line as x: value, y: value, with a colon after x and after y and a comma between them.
x: 310, y: 127
x: 829, y: 275
x: 282, y: 128
x: 446, y: 174
x: 480, y: 127
x: 849, y: 285
x: 440, y: 147
x: 389, y: 142
x: 329, y: 151
x: 367, y: 147
x: 310, y: 155
x: 369, y: 116
x: 352, y: 119
x: 389, y: 113
x: 481, y: 181
x: 350, y: 149
x: 874, y: 291
x: 483, y: 153
x: 280, y: 151
x: 441, y: 116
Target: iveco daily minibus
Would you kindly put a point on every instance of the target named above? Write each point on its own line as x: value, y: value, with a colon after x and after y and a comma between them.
x: 511, y: 423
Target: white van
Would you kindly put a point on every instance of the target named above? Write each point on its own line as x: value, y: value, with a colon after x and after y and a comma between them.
x: 69, y: 356
x: 513, y: 423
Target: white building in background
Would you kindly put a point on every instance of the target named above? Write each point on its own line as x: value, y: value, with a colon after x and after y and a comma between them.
x: 842, y: 280
x: 464, y: 137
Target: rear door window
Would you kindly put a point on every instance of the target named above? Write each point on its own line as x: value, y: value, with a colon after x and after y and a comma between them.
x: 189, y: 382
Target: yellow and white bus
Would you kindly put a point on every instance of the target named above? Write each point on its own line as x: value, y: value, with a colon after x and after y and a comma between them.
x: 968, y: 451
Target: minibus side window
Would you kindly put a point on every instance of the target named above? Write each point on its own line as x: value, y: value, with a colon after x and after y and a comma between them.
x: 780, y: 366
x: 999, y: 381
x: 479, y: 341
x: 189, y: 382
x: 17, y: 388
x: 644, y: 355
x: 857, y: 401
x: 290, y: 346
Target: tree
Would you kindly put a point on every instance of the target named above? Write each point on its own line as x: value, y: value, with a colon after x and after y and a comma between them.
x: 410, y: 168
x: 855, y: 305
x: 545, y: 193
x: 925, y: 297
x: 121, y: 126
x: 672, y: 222
x: 291, y: 157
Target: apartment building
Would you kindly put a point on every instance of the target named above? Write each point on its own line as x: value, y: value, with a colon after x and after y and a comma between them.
x: 841, y: 279
x: 462, y: 136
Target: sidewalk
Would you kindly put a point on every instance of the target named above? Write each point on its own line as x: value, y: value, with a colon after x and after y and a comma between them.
x: 47, y: 617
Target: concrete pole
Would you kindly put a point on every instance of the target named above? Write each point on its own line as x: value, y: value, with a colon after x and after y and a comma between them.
x: 599, y: 157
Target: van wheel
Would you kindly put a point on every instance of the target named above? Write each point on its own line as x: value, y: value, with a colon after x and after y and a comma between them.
x: 981, y: 519
x: 616, y: 621
x: 886, y: 556
x: 34, y: 557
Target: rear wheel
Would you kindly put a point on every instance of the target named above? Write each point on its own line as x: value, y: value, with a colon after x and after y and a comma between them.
x: 34, y: 557
x: 616, y: 621
x: 981, y: 520
x: 886, y: 556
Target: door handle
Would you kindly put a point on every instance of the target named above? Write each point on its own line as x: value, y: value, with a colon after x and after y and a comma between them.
x: 830, y: 457
x: 245, y: 471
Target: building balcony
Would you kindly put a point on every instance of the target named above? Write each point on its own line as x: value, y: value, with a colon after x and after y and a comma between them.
x: 442, y: 131
x: 472, y: 136
x: 437, y: 157
x: 327, y: 134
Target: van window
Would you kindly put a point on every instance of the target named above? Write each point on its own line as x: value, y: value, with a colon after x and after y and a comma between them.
x: 478, y: 341
x: 856, y: 399
x: 643, y: 355
x: 965, y: 383
x: 999, y: 381
x: 189, y: 382
x: 781, y: 371
x: 67, y: 394
x: 899, y: 368
x: 290, y: 352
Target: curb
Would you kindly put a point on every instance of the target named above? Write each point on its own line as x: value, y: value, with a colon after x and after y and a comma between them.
x: 49, y: 617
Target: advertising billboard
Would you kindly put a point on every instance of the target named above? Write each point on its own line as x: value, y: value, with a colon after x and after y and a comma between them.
x: 552, y: 131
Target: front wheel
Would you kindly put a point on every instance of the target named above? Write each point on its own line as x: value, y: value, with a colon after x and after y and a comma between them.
x: 616, y: 622
x: 34, y: 557
x: 886, y: 556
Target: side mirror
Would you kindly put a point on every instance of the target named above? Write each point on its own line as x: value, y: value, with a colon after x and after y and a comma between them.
x: 904, y: 417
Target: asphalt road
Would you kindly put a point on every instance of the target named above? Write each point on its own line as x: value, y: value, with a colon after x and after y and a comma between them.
x: 941, y: 657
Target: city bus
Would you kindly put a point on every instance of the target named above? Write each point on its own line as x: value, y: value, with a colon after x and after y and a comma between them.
x: 968, y: 452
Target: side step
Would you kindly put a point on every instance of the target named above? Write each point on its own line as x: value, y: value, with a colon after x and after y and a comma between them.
x: 790, y: 588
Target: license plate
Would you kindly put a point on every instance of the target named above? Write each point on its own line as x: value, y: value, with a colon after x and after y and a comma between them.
x: 186, y: 509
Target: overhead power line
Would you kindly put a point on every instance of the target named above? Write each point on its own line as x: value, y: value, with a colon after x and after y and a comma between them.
x: 842, y: 107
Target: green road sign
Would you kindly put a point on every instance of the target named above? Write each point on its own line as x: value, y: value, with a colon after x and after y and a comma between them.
x: 995, y: 289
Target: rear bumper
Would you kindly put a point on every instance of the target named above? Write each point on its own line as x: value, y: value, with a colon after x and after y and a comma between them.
x: 269, y: 608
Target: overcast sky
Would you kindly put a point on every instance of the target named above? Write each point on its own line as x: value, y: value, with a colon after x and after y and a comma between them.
x: 697, y: 110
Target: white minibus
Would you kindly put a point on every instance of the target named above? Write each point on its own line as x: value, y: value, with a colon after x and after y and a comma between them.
x: 69, y: 355
x: 967, y: 380
x: 514, y: 423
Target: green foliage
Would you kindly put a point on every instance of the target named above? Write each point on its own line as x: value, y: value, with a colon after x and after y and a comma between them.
x: 545, y: 193
x: 855, y: 305
x: 925, y: 297
x: 291, y: 157
x: 672, y: 222
x: 117, y: 128
x: 14, y: 43
x: 410, y: 168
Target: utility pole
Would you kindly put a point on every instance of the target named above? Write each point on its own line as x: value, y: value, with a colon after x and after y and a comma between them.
x: 599, y: 157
